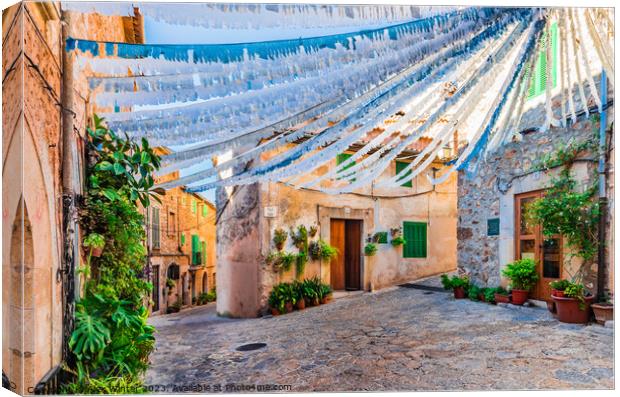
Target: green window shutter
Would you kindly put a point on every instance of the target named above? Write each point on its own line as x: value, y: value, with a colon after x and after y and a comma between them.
x: 538, y: 81
x: 341, y: 158
x: 415, y: 237
x: 204, y: 210
x: 194, y: 205
x: 400, y: 165
x: 203, y: 249
x: 195, y: 249
x: 182, y: 238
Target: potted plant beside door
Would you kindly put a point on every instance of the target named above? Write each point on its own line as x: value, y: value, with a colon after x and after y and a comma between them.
x: 574, y: 306
x: 523, y: 276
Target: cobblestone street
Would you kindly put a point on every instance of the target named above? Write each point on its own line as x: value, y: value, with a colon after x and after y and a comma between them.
x: 400, y: 339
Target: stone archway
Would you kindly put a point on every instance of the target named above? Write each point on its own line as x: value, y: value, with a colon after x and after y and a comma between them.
x: 19, y: 304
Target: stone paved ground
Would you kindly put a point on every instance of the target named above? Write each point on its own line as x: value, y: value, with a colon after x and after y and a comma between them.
x: 401, y: 339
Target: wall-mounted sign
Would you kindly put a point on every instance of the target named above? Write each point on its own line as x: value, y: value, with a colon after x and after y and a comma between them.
x: 271, y: 212
x: 493, y: 227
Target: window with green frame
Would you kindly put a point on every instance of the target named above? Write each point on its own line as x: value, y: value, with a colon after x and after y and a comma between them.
x: 196, y: 249
x: 400, y: 165
x: 538, y: 81
x: 341, y: 158
x: 415, y: 239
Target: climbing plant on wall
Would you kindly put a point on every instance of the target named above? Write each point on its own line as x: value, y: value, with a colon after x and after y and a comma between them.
x: 565, y: 209
x: 112, y: 341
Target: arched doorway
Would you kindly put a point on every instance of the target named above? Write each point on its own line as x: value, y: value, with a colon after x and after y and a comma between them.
x: 19, y: 304
x: 205, y: 282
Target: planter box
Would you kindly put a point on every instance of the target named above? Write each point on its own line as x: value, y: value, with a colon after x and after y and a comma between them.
x: 499, y: 298
x: 568, y: 309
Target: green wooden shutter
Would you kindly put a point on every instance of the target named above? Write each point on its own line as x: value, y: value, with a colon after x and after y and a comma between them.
x: 415, y: 237
x: 400, y: 165
x: 341, y: 158
x: 195, y: 249
x: 538, y: 81
x: 203, y: 249
x: 204, y: 210
x: 194, y: 205
x: 182, y: 238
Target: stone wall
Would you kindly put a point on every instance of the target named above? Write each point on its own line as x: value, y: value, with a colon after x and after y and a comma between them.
x: 489, y: 193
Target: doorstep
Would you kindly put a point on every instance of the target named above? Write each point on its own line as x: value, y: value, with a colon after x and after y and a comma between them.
x: 346, y: 294
x: 538, y: 303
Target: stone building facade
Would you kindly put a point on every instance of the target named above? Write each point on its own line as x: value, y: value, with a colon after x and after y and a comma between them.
x: 36, y: 183
x: 250, y: 214
x: 181, y: 246
x: 490, y: 225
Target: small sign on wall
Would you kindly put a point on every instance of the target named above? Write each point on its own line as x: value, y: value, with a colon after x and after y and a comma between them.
x: 271, y: 212
x: 493, y: 227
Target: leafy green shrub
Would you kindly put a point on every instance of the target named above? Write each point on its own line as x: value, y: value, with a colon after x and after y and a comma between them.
x: 576, y: 291
x: 309, y: 290
x: 280, y: 295
x: 399, y: 240
x: 94, y: 240
x: 279, y: 238
x: 473, y: 291
x: 370, y: 249
x: 454, y: 282
x: 300, y: 263
x: 211, y: 295
x: 321, y: 250
x: 522, y: 274
x: 559, y: 285
x: 111, y: 341
x: 489, y: 294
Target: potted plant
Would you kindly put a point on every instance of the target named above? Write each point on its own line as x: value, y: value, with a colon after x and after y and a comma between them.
x: 523, y: 276
x: 603, y: 310
x: 457, y: 284
x: 501, y: 295
x: 169, y: 283
x: 279, y: 299
x: 95, y: 242
x: 174, y: 308
x: 311, y: 291
x: 279, y: 238
x: 321, y: 250
x: 474, y: 292
x: 299, y: 295
x: 325, y: 293
x: 313, y: 230
x: 489, y: 294
x: 574, y: 306
x: 558, y: 287
x: 370, y: 249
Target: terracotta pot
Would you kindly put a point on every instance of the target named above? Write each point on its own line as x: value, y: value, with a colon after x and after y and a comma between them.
x: 324, y: 300
x: 316, y: 302
x: 519, y: 296
x: 556, y: 292
x: 499, y: 298
x: 289, y: 307
x: 569, y: 312
x: 301, y: 304
x: 459, y: 293
x: 481, y: 297
x: 551, y: 308
x: 96, y: 252
x: 275, y: 312
x: 603, y: 312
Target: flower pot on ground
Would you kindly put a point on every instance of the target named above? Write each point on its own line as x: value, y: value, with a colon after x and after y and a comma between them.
x: 301, y: 304
x: 519, y: 296
x: 572, y: 310
x: 603, y: 311
x: 275, y: 312
x: 500, y: 298
x: 523, y: 276
x: 289, y: 307
x: 458, y: 285
x: 558, y: 287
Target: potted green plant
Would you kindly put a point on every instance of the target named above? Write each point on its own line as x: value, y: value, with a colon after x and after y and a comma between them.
x: 489, y: 294
x: 310, y: 291
x: 299, y: 295
x: 603, y: 310
x: 558, y: 287
x: 321, y: 250
x: 325, y: 293
x: 170, y: 283
x: 313, y: 230
x: 370, y: 249
x: 523, y: 276
x: 174, y: 308
x: 95, y: 243
x: 279, y: 238
x: 457, y: 284
x: 474, y: 292
x: 501, y: 295
x: 574, y: 306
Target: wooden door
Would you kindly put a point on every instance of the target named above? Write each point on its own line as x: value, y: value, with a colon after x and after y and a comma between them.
x: 156, y: 291
x: 337, y: 240
x: 352, y: 254
x: 531, y: 243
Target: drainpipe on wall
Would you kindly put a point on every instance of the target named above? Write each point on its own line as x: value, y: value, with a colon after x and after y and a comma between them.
x: 602, y: 195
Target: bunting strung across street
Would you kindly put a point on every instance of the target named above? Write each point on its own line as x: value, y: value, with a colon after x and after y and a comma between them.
x: 400, y: 90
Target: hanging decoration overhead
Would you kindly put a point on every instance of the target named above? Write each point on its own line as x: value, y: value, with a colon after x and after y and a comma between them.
x: 280, y: 110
